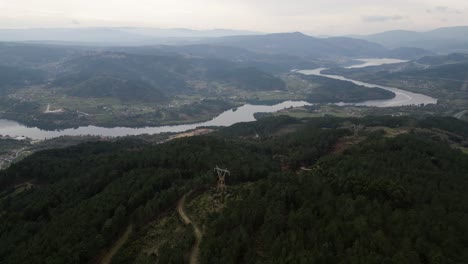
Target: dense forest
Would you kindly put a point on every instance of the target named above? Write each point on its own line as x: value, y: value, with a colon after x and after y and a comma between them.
x: 322, y: 190
x: 124, y: 90
x: 398, y: 200
x: 13, y: 77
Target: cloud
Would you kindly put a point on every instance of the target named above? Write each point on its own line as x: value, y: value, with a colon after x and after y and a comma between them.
x: 327, y: 17
x: 75, y: 22
x: 382, y: 18
x: 444, y: 10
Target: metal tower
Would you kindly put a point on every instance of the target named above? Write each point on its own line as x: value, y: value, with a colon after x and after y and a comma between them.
x: 222, y: 173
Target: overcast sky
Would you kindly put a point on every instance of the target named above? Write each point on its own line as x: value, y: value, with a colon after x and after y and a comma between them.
x: 332, y: 17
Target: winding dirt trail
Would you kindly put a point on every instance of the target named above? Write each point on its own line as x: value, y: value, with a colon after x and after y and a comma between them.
x: 196, y: 231
x: 117, y: 245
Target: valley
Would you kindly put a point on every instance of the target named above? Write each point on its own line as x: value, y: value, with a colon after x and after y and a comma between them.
x: 300, y: 87
x: 168, y: 85
x: 334, y: 149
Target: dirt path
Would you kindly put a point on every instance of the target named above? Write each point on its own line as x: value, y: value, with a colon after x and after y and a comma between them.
x: 117, y: 245
x: 197, y: 232
x: 460, y: 114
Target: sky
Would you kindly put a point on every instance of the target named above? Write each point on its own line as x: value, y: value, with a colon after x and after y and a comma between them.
x: 318, y: 17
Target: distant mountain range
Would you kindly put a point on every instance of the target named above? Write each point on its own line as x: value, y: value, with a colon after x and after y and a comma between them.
x: 447, y: 40
x: 302, y: 45
x: 396, y: 44
x: 299, y: 44
x: 114, y: 36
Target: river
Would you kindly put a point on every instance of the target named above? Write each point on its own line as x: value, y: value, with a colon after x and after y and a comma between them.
x: 244, y: 113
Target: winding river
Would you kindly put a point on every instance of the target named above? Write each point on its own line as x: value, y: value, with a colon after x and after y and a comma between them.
x: 401, y: 98
x: 242, y: 114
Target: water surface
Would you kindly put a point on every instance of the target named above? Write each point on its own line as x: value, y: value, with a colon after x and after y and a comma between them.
x: 374, y: 62
x: 244, y: 113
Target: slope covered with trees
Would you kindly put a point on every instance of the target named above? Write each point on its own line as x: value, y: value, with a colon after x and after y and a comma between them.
x: 170, y: 74
x: 13, y: 77
x: 324, y: 190
x: 394, y: 200
x: 125, y: 90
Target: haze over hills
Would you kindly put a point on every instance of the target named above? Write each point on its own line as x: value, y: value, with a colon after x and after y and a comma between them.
x: 299, y: 44
x: 114, y: 36
x: 295, y: 44
x: 302, y: 45
x: 449, y: 39
x: 268, y: 62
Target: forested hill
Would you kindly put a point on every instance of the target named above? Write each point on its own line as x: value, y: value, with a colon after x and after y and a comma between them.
x: 324, y: 190
x: 12, y: 77
x: 167, y: 74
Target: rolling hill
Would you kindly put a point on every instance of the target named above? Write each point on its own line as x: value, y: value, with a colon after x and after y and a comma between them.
x: 124, y: 90
x: 13, y: 77
x: 450, y: 39
x: 273, y: 63
x: 299, y: 44
x: 34, y: 56
x: 170, y: 75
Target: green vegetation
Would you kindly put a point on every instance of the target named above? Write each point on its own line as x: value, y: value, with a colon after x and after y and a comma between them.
x: 443, y: 59
x: 396, y: 200
x: 322, y: 110
x: 122, y: 89
x: 163, y: 240
x: 106, y: 86
x: 76, y: 211
x: 11, y: 77
x: 330, y: 90
x: 33, y: 56
x: 247, y: 78
x: 106, y: 112
x: 13, y: 150
x: 168, y: 74
x: 314, y: 89
x: 151, y: 86
x: 335, y: 190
